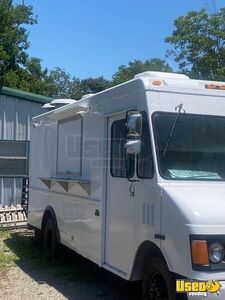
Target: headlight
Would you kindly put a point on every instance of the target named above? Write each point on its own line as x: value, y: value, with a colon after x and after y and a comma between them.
x: 216, y: 252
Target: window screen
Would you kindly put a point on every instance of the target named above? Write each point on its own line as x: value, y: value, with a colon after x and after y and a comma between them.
x: 70, y: 147
x: 14, y: 158
x: 145, y: 160
x: 119, y: 161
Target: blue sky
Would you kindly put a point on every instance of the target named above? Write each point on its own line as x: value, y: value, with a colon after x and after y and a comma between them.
x: 90, y: 38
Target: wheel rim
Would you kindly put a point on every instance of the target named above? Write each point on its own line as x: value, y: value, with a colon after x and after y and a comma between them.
x: 158, y: 288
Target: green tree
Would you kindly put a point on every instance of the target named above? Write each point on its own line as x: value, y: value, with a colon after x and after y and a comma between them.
x: 94, y: 85
x: 125, y: 73
x: 80, y: 87
x: 58, y: 83
x: 199, y: 44
x: 13, y: 39
x: 31, y: 77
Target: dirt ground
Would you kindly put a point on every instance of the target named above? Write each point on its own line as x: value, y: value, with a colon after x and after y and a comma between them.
x: 26, y: 273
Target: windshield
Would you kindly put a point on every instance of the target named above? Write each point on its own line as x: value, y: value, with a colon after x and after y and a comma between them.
x: 196, y: 150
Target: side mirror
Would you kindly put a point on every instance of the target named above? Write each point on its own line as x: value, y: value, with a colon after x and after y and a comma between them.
x: 133, y: 146
x: 133, y: 139
x: 134, y: 124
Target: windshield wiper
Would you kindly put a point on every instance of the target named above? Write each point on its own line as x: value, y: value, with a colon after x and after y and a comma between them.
x: 179, y: 108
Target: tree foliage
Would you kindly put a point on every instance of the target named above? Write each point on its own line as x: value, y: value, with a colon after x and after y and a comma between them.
x: 199, y: 44
x: 125, y: 73
x: 60, y: 84
x: 13, y: 39
x: 91, y: 86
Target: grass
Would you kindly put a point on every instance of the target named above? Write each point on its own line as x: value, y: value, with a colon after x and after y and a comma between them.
x: 20, y: 247
x: 7, y: 257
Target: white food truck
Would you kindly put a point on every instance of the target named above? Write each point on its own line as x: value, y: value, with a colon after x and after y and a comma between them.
x: 133, y: 178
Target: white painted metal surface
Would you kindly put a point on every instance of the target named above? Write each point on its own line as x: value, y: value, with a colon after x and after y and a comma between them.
x: 162, y: 75
x: 174, y: 209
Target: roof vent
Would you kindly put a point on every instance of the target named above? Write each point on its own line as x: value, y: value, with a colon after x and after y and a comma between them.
x: 162, y: 75
x: 62, y: 101
x: 48, y: 106
x: 56, y: 103
x: 87, y: 96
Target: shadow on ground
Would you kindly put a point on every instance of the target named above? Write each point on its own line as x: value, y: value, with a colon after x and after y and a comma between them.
x: 73, y: 276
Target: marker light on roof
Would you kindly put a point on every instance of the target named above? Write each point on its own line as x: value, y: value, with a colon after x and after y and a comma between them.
x: 215, y: 87
x: 157, y: 82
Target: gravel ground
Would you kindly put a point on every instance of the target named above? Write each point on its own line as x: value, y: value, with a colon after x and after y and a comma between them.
x: 25, y: 273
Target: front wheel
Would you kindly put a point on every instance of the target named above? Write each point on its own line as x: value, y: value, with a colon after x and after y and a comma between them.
x: 158, y: 283
x: 50, y: 239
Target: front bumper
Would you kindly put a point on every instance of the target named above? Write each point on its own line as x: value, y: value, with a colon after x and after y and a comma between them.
x: 211, y: 296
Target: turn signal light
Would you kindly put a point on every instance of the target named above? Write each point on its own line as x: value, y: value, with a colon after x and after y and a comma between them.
x: 215, y: 87
x: 199, y: 251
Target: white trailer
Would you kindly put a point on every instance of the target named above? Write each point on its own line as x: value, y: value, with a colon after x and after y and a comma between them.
x: 132, y: 178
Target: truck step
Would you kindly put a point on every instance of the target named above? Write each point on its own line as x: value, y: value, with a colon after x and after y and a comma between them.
x: 12, y: 216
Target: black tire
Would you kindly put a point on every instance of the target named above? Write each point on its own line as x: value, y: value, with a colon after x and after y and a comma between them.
x: 38, y: 237
x: 158, y: 283
x: 50, y: 241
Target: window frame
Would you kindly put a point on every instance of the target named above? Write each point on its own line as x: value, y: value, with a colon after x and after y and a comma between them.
x: 157, y: 152
x: 66, y: 120
x: 135, y: 169
x: 27, y: 159
x: 145, y: 115
x: 111, y: 167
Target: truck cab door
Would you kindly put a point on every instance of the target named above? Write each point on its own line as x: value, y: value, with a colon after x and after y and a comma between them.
x: 131, y: 207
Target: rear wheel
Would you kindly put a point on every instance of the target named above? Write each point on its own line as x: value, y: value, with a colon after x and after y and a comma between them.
x: 158, y: 283
x: 38, y: 236
x: 50, y: 238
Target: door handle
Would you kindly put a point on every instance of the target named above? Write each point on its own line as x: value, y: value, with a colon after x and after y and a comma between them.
x: 97, y: 213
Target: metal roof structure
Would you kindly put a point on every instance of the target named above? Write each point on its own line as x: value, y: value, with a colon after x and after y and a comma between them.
x: 24, y: 95
x: 17, y: 108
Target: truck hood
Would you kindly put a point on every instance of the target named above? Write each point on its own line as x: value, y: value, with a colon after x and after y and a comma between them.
x: 192, y: 208
x: 199, y: 204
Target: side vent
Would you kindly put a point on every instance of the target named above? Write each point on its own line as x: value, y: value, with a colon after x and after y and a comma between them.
x: 148, y: 214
